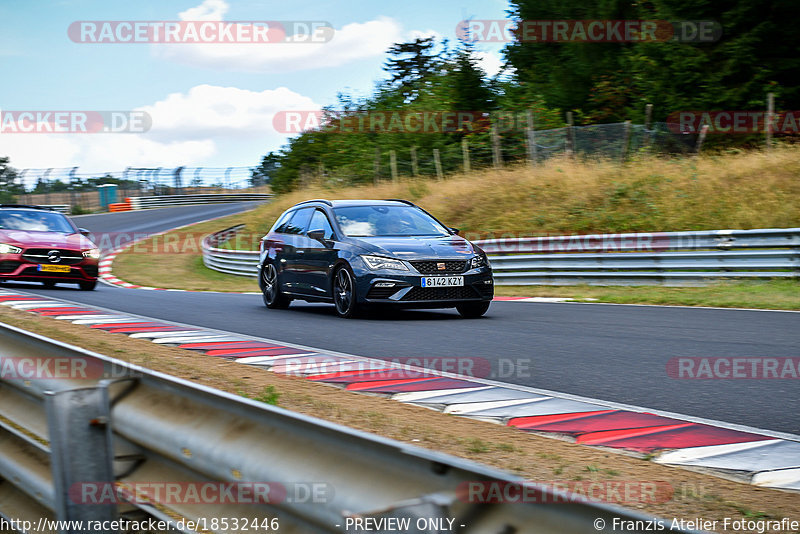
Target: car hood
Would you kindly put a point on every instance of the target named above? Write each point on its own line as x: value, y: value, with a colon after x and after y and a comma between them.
x: 26, y: 239
x: 411, y: 248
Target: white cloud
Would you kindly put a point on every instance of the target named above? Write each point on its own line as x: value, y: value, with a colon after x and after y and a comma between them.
x: 352, y: 42
x: 490, y: 62
x: 208, y: 10
x: 187, y: 129
x: 208, y: 111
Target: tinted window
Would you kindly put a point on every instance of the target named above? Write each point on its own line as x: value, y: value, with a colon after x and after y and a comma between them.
x: 35, y: 221
x: 280, y: 224
x: 386, y: 221
x: 299, y: 222
x: 319, y: 221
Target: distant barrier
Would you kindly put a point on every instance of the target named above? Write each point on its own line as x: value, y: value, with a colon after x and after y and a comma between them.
x: 663, y: 258
x: 61, y: 208
x: 141, y: 203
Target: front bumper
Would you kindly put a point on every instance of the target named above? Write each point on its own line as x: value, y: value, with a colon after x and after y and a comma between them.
x: 15, y: 267
x: 392, y: 287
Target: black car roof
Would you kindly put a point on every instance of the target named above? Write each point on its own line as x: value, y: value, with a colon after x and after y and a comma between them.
x: 354, y: 202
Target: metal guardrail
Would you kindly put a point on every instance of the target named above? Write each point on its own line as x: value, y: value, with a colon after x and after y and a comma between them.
x: 163, y: 201
x: 668, y: 258
x: 61, y: 208
x: 118, y: 426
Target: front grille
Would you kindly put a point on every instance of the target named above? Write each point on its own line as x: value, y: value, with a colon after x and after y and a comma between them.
x: 382, y: 292
x: 8, y: 266
x: 486, y: 290
x: 441, y: 293
x: 432, y: 266
x: 40, y: 255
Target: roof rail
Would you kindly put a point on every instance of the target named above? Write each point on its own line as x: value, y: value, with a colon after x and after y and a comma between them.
x: 324, y: 201
x: 400, y: 200
x: 29, y: 206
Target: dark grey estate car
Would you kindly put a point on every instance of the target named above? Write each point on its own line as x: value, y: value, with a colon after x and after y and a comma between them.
x: 356, y: 253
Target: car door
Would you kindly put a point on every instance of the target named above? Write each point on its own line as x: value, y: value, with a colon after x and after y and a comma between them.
x: 291, y: 261
x: 319, y: 256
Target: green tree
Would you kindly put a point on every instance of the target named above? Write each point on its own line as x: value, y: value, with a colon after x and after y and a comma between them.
x: 410, y: 63
x: 264, y: 172
x: 9, y: 183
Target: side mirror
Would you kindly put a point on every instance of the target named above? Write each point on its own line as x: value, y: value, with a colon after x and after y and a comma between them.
x: 454, y: 231
x: 84, y: 231
x: 319, y: 235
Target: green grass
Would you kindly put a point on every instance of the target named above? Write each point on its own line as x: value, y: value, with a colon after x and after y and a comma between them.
x: 768, y: 294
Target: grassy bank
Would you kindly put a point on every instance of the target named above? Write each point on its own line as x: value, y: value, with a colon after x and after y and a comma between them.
x: 738, y: 190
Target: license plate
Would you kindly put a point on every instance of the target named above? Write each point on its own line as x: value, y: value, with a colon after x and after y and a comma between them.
x: 442, y: 281
x: 55, y: 268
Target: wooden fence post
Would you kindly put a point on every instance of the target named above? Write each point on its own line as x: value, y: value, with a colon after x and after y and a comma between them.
x: 532, y: 151
x: 570, y: 135
x: 393, y: 164
x: 438, y: 162
x: 497, y: 155
x: 465, y: 155
x: 768, y: 125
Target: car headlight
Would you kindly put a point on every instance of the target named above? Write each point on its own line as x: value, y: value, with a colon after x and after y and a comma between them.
x: 378, y: 262
x: 9, y: 249
x: 93, y: 253
x: 478, y: 261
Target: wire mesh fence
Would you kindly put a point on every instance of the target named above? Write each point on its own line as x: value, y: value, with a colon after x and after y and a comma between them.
x: 485, y: 150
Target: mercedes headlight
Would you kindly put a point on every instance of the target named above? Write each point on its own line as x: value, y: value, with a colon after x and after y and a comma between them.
x: 93, y: 253
x: 9, y: 249
x: 478, y: 261
x: 378, y: 262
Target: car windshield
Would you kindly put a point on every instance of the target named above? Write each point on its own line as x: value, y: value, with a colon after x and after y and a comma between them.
x: 387, y: 221
x: 35, y: 221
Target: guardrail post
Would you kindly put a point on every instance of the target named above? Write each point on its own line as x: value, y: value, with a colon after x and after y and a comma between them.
x: 81, y: 453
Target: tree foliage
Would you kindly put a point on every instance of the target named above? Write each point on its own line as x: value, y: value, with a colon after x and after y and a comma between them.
x: 9, y: 182
x: 599, y: 82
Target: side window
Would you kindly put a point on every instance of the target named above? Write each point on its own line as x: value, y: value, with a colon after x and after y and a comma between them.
x: 319, y: 221
x: 298, y: 223
x: 280, y: 224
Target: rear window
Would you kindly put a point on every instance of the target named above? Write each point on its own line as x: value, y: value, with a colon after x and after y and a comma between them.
x: 297, y: 224
x: 35, y: 221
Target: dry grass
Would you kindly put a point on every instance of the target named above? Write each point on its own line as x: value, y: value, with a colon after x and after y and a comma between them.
x: 735, y: 190
x: 767, y: 294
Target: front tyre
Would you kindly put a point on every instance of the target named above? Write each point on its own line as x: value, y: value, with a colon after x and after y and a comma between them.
x: 274, y: 299
x: 473, y: 310
x: 344, y: 292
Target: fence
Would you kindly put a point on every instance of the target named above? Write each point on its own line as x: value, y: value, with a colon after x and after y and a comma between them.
x: 71, y: 447
x: 443, y: 154
x: 667, y: 258
x: 141, y: 203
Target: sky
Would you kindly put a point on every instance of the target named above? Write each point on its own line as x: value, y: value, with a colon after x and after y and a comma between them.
x: 211, y: 104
